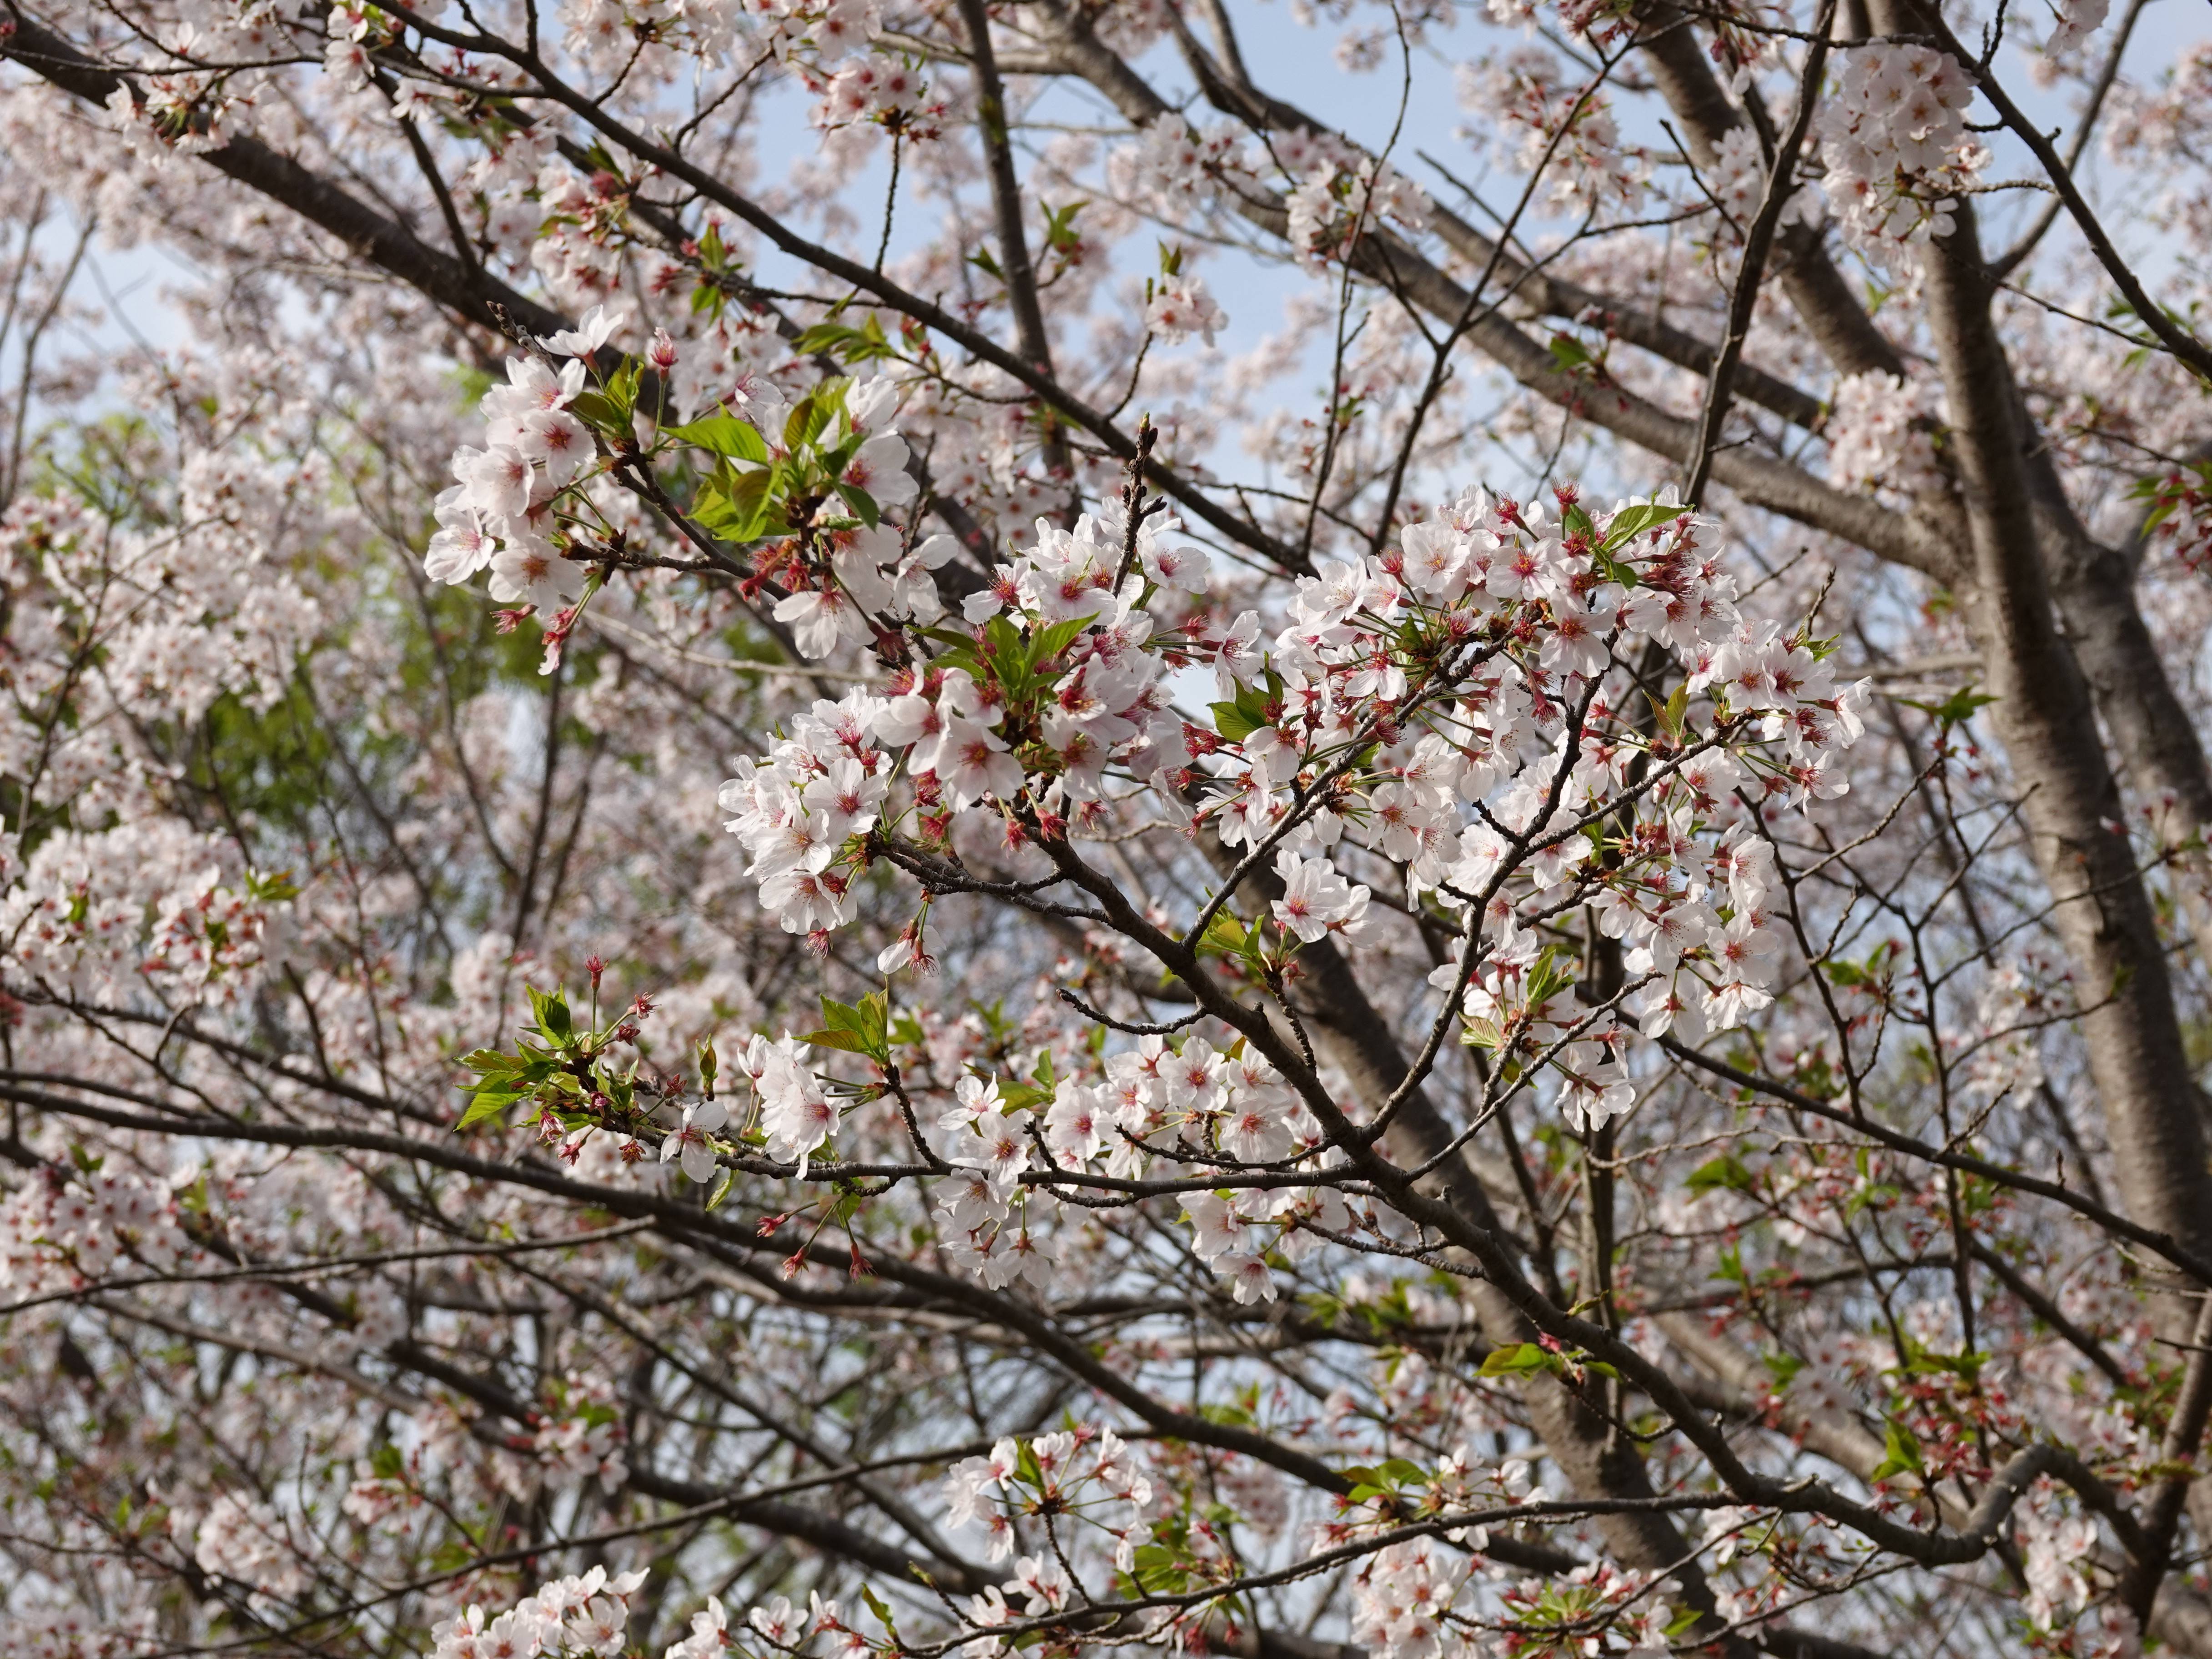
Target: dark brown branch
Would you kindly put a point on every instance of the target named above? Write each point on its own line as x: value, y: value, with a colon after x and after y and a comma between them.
x: 383, y: 242
x: 1781, y: 186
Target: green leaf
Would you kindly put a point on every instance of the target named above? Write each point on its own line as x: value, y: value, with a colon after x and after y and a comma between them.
x: 1955, y: 709
x: 1635, y: 518
x: 1727, y: 1172
x: 1519, y: 1359
x: 271, y: 889
x: 1251, y: 708
x: 599, y: 412
x: 1923, y: 1361
x: 1903, y: 1453
x: 735, y: 505
x: 751, y: 498
x: 721, y: 1191
x: 835, y: 339
x: 551, y: 1014
x: 488, y: 1103
x: 807, y: 418
x: 871, y: 343
x: 862, y: 503
x: 839, y: 1015
x: 725, y: 434
x: 1670, y: 714
x: 1005, y: 643
x: 1053, y: 638
x: 822, y: 337
x: 875, y: 1021
x: 621, y: 391
x: 1233, y: 723
x: 1224, y: 932
x: 876, y: 1605
x: 833, y: 462
x: 710, y: 510
x: 1059, y: 233
x: 861, y: 1030
x: 1481, y: 1034
x: 1159, y: 1571
x: 1552, y: 973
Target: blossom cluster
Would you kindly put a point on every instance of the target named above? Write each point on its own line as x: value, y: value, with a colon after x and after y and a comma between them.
x: 62, y: 1633
x: 1566, y: 129
x: 2073, y: 22
x: 1894, y: 137
x: 1171, y: 165
x: 1500, y: 759
x: 952, y: 730
x: 1878, y: 435
x: 499, y: 515
x: 1737, y: 185
x: 1342, y: 198
x: 583, y: 1445
x: 1231, y: 1110
x: 885, y: 94
x: 246, y: 1539
x: 1337, y: 192
x: 1086, y: 1477
x: 1402, y: 1599
x: 571, y: 1617
x: 57, y: 1233
x: 1180, y: 306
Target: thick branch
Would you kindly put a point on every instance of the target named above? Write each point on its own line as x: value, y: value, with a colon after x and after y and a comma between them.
x: 383, y: 243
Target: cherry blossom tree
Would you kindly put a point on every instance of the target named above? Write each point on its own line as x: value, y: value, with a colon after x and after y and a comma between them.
x: 847, y: 828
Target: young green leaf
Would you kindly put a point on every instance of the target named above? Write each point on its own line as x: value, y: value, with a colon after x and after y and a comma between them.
x: 487, y: 1104
x: 725, y: 434
x: 1233, y: 723
x: 1635, y: 518
x: 862, y: 503
x: 1519, y: 1359
x: 1903, y: 1453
